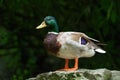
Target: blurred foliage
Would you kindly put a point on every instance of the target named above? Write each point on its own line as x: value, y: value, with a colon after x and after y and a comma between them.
x: 22, y: 54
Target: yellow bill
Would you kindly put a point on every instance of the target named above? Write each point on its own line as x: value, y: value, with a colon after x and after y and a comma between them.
x: 42, y: 25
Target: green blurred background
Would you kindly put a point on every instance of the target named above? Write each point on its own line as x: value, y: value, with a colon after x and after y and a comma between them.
x: 22, y: 54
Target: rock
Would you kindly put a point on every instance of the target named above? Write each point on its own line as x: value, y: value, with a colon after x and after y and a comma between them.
x: 115, y: 75
x: 81, y: 74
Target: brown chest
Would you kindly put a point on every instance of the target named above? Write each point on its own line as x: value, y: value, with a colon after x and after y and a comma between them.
x: 51, y: 44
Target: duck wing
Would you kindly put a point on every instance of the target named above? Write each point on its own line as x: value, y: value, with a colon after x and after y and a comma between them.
x: 82, y: 41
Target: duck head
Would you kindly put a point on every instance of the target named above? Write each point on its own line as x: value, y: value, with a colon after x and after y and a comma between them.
x: 49, y: 21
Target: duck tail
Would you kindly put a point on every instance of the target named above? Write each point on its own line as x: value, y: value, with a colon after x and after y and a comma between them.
x: 100, y: 50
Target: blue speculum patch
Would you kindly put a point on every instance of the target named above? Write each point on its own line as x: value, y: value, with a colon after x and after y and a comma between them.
x: 83, y: 41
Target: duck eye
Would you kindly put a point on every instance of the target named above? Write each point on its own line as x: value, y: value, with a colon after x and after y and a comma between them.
x: 49, y: 19
x: 83, y: 41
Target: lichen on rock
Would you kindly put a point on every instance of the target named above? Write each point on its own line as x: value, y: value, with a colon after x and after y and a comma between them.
x: 81, y: 74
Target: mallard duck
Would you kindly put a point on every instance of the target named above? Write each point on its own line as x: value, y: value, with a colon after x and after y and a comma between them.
x: 68, y: 45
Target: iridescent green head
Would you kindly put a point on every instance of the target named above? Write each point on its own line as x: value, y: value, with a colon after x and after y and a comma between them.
x: 49, y: 21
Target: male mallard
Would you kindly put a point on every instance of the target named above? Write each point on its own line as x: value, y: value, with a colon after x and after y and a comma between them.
x: 68, y: 45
